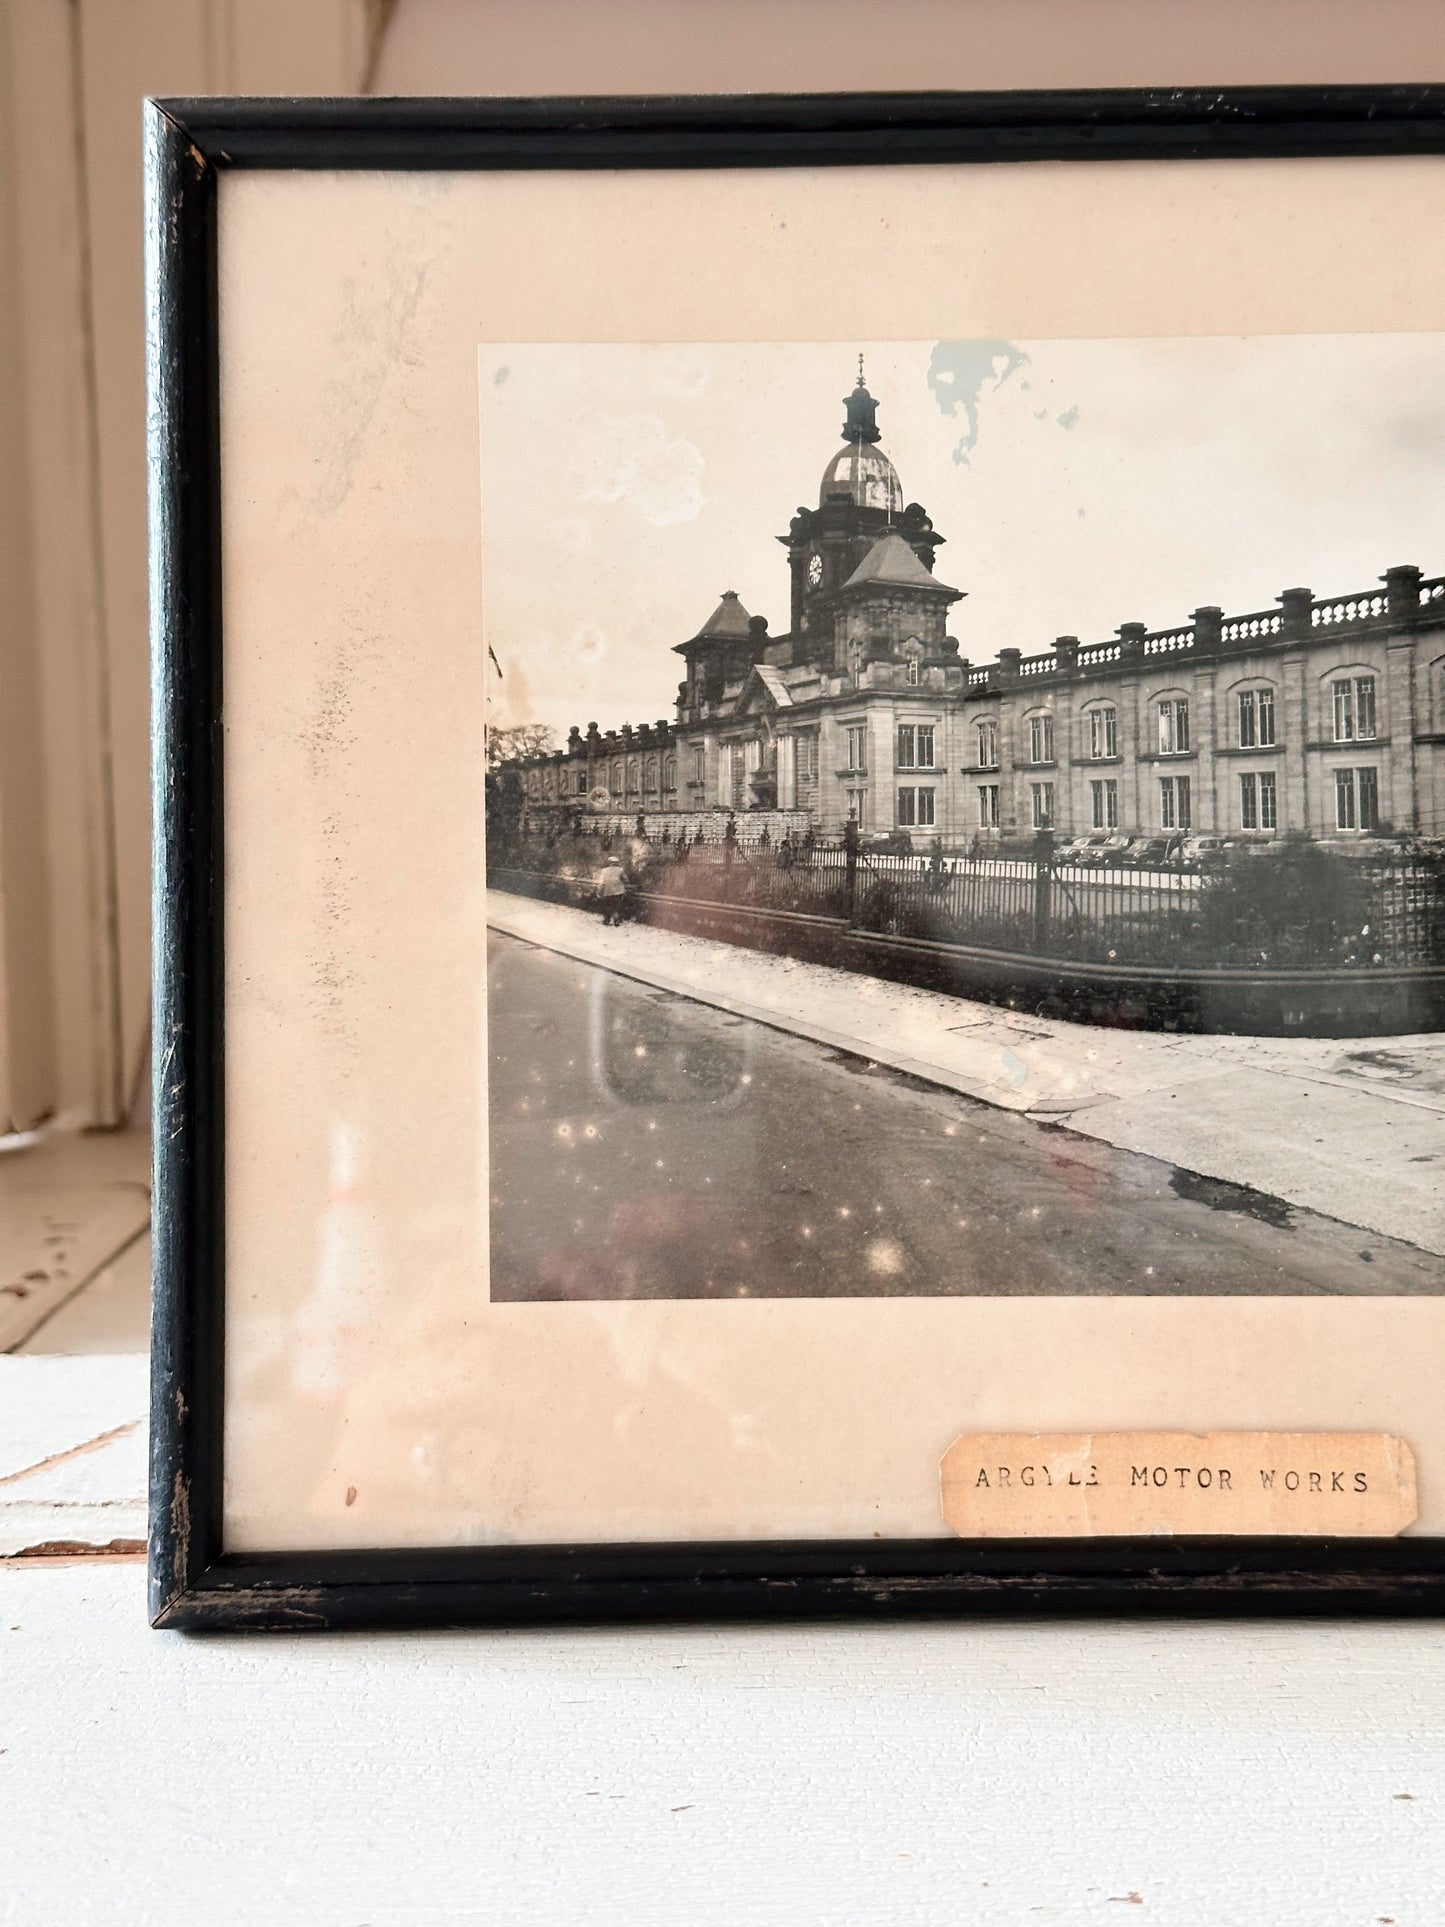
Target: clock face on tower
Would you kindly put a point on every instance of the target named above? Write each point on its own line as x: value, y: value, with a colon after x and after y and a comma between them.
x: 815, y: 571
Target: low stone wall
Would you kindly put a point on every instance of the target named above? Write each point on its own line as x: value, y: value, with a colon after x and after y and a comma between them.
x: 1252, y: 1003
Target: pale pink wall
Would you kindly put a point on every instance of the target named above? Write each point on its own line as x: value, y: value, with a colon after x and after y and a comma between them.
x: 651, y: 46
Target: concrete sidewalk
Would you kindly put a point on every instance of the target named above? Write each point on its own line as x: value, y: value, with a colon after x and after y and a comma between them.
x: 1353, y: 1130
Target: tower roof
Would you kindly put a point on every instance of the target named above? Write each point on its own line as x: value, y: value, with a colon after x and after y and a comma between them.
x: 892, y: 564
x: 860, y: 470
x: 728, y: 623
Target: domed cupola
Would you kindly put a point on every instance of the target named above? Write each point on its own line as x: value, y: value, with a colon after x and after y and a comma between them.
x: 860, y: 472
x: 860, y: 501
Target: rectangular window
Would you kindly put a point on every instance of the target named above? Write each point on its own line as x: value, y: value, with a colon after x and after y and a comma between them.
x: 915, y: 746
x: 1344, y: 796
x: 988, y: 745
x: 988, y: 806
x: 1345, y: 728
x: 1264, y: 699
x: 1268, y: 817
x: 1364, y: 709
x: 858, y: 807
x: 1174, y: 726
x: 1257, y: 804
x: 1041, y: 739
x: 915, y: 808
x: 1043, y: 802
x: 857, y: 736
x: 1174, y: 803
x: 699, y: 766
x: 1103, y: 733
x: 912, y: 672
x: 808, y: 756
x: 1368, y: 781
x: 1104, y: 798
x: 1246, y: 724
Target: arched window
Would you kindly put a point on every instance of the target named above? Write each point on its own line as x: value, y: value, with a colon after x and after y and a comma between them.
x: 615, y: 780
x: 1039, y: 725
x: 1349, y: 704
x: 1171, y: 721
x: 1254, y: 715
x: 632, y: 776
x: 669, y: 773
x: 649, y: 774
x: 1102, y: 726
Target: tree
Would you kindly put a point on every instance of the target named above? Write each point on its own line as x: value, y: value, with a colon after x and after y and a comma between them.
x: 521, y: 741
x: 1291, y: 905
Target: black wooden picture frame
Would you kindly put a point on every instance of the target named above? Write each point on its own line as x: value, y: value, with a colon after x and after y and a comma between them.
x: 195, y: 1582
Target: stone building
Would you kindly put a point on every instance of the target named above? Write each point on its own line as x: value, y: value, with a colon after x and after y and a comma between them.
x: 1322, y: 717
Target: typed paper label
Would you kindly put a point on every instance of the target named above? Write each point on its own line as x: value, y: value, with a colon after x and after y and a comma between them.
x: 1003, y: 1485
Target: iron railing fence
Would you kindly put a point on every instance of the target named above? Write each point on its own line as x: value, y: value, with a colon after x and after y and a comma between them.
x: 1291, y: 906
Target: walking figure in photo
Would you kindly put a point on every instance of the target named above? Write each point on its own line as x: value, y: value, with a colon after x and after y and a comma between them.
x: 612, y: 890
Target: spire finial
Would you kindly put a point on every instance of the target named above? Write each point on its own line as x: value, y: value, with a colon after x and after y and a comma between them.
x: 860, y: 412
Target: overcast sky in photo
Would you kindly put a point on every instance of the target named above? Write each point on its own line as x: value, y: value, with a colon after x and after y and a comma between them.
x: 1078, y: 484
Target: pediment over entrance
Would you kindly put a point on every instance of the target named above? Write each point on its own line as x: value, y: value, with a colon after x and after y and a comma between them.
x: 763, y: 692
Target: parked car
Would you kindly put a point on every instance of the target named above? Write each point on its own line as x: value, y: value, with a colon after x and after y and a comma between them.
x: 1107, y: 854
x: 1149, y: 852
x: 889, y: 843
x: 1199, y: 850
x: 1076, y: 849
x: 1255, y: 845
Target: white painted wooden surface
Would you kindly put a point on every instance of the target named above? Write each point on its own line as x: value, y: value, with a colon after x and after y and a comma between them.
x: 990, y: 1774
x: 994, y: 1773
x: 72, y: 1455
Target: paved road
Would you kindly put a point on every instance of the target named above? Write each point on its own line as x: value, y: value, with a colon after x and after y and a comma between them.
x: 645, y: 1146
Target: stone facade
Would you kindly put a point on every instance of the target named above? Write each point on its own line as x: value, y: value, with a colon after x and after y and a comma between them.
x: 1321, y: 717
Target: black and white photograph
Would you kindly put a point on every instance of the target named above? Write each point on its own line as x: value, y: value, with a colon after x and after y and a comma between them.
x: 808, y: 808
x: 965, y: 817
